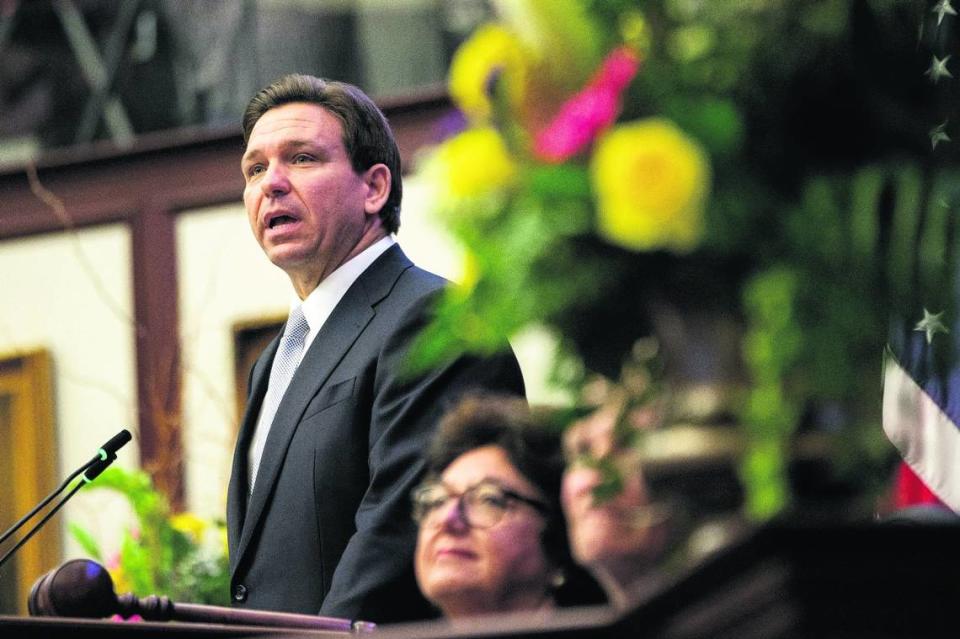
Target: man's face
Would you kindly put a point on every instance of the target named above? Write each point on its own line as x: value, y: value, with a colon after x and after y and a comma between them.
x: 309, y: 210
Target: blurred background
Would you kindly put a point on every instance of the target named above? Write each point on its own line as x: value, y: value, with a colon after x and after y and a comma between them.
x: 793, y: 205
x: 85, y: 70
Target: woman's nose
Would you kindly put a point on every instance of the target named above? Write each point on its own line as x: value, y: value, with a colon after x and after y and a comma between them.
x: 452, y: 516
x: 580, y: 479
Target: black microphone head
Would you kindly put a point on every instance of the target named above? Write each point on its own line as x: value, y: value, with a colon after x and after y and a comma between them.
x: 78, y: 588
x: 117, y: 442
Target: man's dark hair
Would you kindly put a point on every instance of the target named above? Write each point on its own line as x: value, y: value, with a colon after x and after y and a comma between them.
x: 366, y: 134
x: 479, y: 420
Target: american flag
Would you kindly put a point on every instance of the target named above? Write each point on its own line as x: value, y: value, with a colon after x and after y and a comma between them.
x: 921, y: 397
x: 921, y: 408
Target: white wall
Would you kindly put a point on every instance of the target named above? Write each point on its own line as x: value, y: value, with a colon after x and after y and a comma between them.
x: 71, y: 295
x: 224, y: 279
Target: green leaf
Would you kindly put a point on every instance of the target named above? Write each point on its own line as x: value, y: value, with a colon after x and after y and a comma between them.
x: 561, y: 181
x: 86, y: 541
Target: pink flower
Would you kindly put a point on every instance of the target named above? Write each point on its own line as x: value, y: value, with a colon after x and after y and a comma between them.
x: 593, y: 109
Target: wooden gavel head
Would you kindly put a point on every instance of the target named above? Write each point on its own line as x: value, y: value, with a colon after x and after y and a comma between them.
x: 78, y: 588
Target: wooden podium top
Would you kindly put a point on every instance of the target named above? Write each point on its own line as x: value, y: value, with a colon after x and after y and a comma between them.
x: 32, y: 627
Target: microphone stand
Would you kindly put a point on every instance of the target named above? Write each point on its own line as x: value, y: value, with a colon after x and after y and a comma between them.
x: 91, y: 470
x: 83, y: 588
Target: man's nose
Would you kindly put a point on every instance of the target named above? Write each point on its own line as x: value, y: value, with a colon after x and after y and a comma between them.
x: 275, y: 181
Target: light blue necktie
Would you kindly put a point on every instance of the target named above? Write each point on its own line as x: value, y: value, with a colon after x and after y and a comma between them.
x: 284, y: 366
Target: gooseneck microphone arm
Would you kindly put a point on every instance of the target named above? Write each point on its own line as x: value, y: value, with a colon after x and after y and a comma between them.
x: 83, y: 588
x: 91, y: 470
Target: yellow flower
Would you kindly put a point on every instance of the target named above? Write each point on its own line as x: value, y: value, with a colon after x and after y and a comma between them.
x: 474, y: 163
x: 189, y: 524
x: 121, y: 583
x: 490, y: 50
x: 651, y: 182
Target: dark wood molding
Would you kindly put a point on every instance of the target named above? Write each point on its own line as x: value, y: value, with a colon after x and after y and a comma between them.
x: 145, y: 187
x: 175, y: 171
x: 155, y: 293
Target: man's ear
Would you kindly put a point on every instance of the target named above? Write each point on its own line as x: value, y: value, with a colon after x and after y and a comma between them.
x: 378, y: 181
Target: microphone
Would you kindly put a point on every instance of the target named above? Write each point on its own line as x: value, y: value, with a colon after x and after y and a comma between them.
x: 83, y: 588
x: 91, y: 470
x: 106, y: 455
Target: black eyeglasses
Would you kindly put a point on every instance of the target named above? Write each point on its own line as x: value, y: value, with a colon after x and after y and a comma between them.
x: 480, y: 506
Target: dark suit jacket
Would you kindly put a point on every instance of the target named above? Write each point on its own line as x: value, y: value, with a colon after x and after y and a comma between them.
x: 328, y: 528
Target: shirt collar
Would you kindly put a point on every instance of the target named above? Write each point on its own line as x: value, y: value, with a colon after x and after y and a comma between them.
x: 322, y: 300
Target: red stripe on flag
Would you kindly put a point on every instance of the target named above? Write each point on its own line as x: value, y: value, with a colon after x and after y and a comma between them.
x: 909, y: 489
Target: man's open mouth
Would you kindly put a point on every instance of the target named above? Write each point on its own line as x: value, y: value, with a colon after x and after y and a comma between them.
x: 280, y: 220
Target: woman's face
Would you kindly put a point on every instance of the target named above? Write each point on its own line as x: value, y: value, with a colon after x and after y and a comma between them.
x: 468, y: 570
x: 605, y: 534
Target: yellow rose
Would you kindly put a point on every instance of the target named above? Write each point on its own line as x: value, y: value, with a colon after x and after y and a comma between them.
x: 491, y: 49
x: 473, y: 163
x: 650, y: 181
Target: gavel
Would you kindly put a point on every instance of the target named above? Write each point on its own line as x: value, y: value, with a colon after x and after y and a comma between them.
x: 83, y: 588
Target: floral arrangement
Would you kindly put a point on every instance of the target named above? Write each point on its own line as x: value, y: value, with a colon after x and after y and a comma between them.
x: 619, y: 165
x: 178, y: 555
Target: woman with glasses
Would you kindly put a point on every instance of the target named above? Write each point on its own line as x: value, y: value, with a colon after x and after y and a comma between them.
x: 492, y: 537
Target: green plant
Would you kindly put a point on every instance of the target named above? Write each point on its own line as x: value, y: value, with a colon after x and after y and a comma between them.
x: 174, y: 554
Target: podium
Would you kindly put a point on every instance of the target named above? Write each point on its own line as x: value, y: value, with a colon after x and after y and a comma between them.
x: 32, y: 627
x: 781, y: 582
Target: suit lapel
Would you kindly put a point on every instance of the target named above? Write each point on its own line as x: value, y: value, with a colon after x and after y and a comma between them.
x: 331, y: 344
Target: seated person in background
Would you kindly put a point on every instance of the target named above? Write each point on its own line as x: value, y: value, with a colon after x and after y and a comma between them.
x: 618, y: 536
x: 492, y: 537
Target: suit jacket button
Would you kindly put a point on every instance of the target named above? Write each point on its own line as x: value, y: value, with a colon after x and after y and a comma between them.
x: 240, y: 593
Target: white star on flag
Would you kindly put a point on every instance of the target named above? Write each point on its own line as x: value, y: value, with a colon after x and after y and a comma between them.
x: 943, y: 8
x: 938, y: 69
x: 931, y: 324
x: 939, y: 134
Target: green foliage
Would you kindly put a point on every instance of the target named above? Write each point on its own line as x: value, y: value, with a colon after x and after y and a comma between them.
x: 177, y: 555
x: 86, y: 541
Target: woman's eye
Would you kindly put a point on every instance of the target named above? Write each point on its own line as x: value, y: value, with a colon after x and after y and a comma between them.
x: 494, y: 499
x: 433, y: 504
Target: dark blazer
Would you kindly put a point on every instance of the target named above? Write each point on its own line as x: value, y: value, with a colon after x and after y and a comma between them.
x: 328, y: 528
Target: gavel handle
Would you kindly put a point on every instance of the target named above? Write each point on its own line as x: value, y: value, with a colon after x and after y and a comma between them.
x: 154, y: 608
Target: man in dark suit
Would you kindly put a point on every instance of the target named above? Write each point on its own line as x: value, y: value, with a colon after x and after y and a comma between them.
x: 331, y: 441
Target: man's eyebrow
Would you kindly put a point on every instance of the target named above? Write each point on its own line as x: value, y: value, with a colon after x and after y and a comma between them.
x: 249, y: 154
x: 286, y: 145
